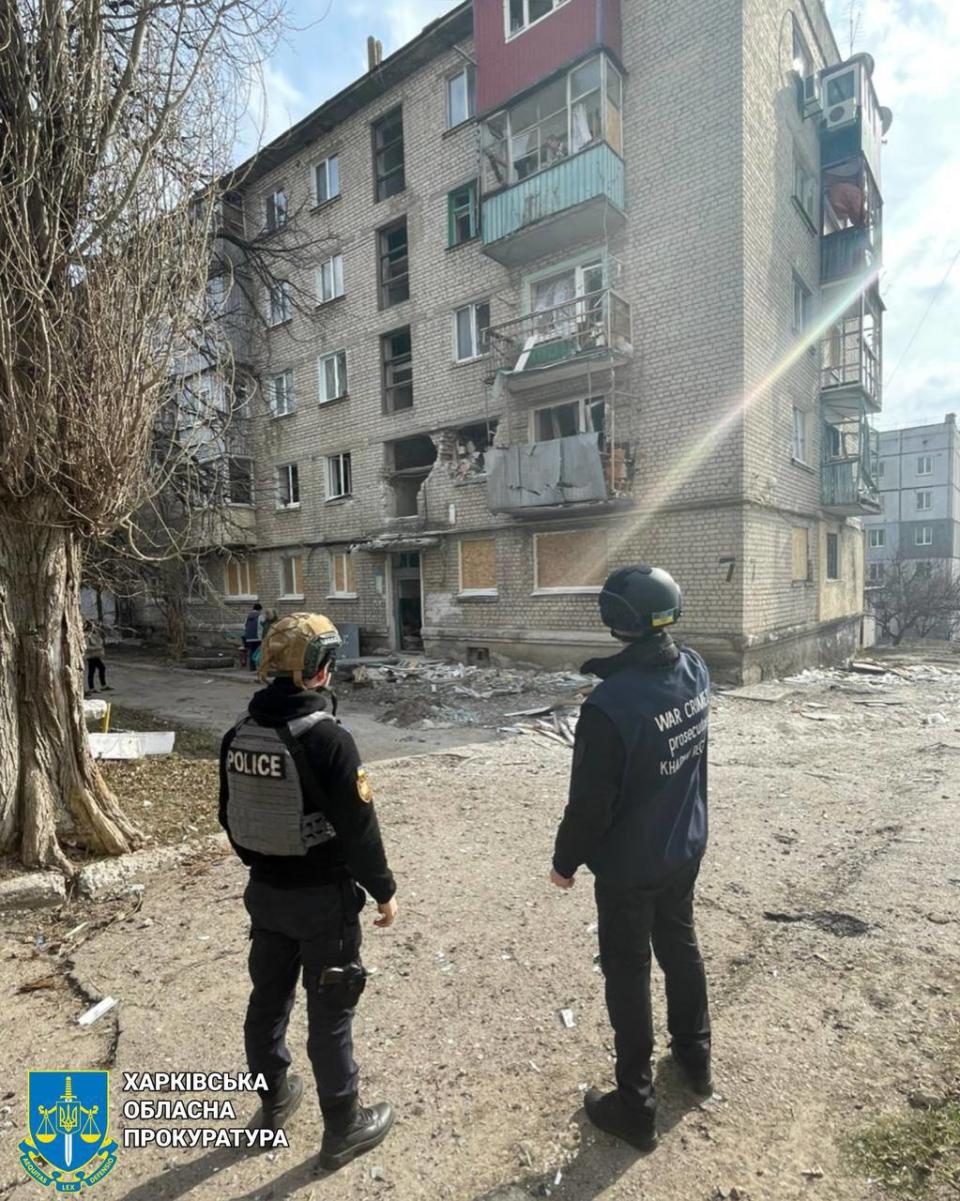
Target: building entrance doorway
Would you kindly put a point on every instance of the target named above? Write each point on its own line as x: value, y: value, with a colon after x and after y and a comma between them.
x: 407, y: 601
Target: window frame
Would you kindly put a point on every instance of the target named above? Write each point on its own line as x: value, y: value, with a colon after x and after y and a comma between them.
x: 468, y: 72
x: 798, y: 447
x: 511, y: 34
x: 801, y: 52
x: 348, y: 561
x: 249, y: 566
x: 388, y: 390
x: 472, y: 187
x: 584, y: 417
x: 296, y: 578
x: 335, y: 264
x: 876, y: 572
x: 832, y: 543
x: 385, y: 259
x: 275, y: 216
x: 803, y: 175
x: 800, y: 288
x: 876, y: 538
x: 461, y: 591
x: 380, y: 193
x: 338, y: 468
x: 240, y: 504
x: 292, y: 482
x: 927, y: 495
x: 325, y: 164
x: 566, y: 589
x: 279, y: 287
x: 921, y: 459
x: 339, y: 358
x: 479, y: 338
x: 923, y: 530
x: 290, y: 396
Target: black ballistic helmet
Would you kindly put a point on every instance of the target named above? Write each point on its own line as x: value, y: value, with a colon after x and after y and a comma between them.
x: 640, y: 600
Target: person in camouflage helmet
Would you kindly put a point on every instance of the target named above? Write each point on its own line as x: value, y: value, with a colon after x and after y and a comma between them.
x: 298, y: 809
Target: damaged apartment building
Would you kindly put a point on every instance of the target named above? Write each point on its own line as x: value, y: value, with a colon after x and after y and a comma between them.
x: 562, y: 285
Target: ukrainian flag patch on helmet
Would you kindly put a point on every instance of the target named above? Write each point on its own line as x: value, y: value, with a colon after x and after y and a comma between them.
x: 364, y: 790
x: 666, y: 618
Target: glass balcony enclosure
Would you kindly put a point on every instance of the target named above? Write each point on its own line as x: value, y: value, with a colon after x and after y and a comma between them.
x: 851, y: 348
x: 850, y: 460
x: 852, y: 221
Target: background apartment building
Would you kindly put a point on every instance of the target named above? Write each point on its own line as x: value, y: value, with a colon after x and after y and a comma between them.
x: 576, y: 283
x: 919, y: 517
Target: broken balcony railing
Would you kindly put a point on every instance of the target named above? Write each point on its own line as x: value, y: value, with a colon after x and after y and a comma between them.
x: 596, y: 324
x: 581, y: 469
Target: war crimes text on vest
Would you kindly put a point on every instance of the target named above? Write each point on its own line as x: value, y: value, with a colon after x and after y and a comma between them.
x: 257, y: 763
x: 671, y: 718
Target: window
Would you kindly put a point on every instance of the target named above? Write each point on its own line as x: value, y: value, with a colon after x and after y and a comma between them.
x: 463, y: 212
x: 925, y: 465
x: 573, y: 417
x: 881, y: 468
x: 326, y: 179
x: 339, y: 476
x: 802, y: 62
x: 240, y: 578
x: 478, y: 566
x: 388, y: 154
x: 239, y: 481
x: 801, y: 305
x: 801, y: 553
x: 291, y: 577
x: 332, y: 375
x: 394, y: 264
x: 343, y: 574
x: 470, y: 327
x: 924, y: 500
x: 876, y: 539
x: 833, y: 556
x: 280, y: 396
x: 572, y: 561
x: 561, y: 118
x: 288, y: 486
x: 804, y: 188
x: 278, y: 302
x: 470, y: 448
x: 875, y: 572
x: 923, y: 535
x: 520, y: 14
x: 330, y: 279
x: 461, y: 96
x: 923, y: 571
x: 397, y: 353
x: 799, y: 448
x: 276, y: 209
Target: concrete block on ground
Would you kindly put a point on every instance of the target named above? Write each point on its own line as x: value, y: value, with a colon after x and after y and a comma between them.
x: 38, y: 890
x: 113, y: 877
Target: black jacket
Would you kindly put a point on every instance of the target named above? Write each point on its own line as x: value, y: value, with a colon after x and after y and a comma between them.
x: 638, y: 788
x: 357, y: 851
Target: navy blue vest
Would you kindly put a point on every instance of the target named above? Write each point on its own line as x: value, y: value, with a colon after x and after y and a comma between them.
x: 660, y: 818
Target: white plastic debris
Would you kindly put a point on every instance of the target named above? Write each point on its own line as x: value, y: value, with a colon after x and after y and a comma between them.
x: 96, y: 1011
x: 566, y: 1016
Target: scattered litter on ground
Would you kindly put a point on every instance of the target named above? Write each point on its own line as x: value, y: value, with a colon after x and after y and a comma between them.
x: 843, y: 925
x: 770, y: 693
x: 566, y: 1016
x: 89, y: 1016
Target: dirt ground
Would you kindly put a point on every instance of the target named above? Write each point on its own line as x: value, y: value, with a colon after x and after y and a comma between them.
x: 829, y: 913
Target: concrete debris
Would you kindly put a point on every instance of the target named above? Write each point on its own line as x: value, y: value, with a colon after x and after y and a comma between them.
x: 112, y: 877
x: 933, y: 719
x: 821, y: 716
x: 771, y: 693
x: 119, y: 745
x: 96, y: 1011
x: 867, y: 668
x: 38, y: 890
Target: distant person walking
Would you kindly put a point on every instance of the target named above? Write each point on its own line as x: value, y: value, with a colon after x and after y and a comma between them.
x: 93, y: 651
x: 253, y: 635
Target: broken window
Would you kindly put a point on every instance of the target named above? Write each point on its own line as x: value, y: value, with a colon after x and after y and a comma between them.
x: 569, y: 419
x: 409, y: 462
x: 394, y: 264
x: 291, y: 576
x: 472, y: 443
x: 571, y: 561
x: 397, y: 351
x: 833, y: 556
x: 801, y: 553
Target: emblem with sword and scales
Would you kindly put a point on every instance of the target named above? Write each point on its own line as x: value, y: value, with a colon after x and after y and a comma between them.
x: 58, y: 1114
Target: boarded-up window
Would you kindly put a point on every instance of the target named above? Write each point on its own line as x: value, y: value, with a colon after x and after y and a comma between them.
x: 478, y: 565
x: 241, y: 578
x: 570, y: 561
x: 344, y: 572
x: 291, y: 575
x: 801, y: 553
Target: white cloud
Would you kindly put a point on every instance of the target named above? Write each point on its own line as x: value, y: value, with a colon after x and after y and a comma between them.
x: 395, y: 22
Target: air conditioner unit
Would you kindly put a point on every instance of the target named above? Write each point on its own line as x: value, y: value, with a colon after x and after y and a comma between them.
x: 812, y: 96
x: 836, y: 116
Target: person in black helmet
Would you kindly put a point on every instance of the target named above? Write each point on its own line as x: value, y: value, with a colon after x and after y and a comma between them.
x: 637, y: 817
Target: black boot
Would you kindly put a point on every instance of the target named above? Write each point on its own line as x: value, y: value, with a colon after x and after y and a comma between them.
x: 352, y: 1129
x: 608, y: 1113
x: 697, y: 1071
x: 278, y: 1105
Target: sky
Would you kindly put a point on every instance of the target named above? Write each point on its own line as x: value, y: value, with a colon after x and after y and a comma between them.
x: 916, y: 45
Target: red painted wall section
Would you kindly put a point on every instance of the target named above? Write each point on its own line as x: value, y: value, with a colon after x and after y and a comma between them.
x: 505, y: 68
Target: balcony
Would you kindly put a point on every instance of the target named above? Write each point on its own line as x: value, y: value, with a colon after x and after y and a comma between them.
x: 579, y: 199
x: 222, y: 526
x: 563, y: 340
x: 847, y: 252
x: 849, y: 473
x: 850, y: 356
x: 559, y: 474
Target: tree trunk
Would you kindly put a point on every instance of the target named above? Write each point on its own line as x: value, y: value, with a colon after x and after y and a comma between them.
x: 49, y: 783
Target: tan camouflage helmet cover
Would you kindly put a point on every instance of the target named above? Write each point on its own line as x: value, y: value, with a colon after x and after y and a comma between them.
x: 297, y: 645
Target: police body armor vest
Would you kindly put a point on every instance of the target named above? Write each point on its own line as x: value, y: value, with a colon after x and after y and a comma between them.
x: 265, y: 789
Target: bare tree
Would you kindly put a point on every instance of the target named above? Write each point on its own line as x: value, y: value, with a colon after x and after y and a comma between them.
x: 113, y: 113
x: 916, y: 599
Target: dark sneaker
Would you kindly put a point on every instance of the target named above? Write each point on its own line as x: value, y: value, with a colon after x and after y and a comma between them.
x: 106, y: 688
x: 697, y: 1073
x: 367, y: 1128
x: 607, y: 1113
x: 278, y: 1106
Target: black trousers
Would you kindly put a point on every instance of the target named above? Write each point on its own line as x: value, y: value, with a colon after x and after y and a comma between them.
x: 629, y: 920
x: 251, y: 646
x: 309, y: 929
x: 96, y: 664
